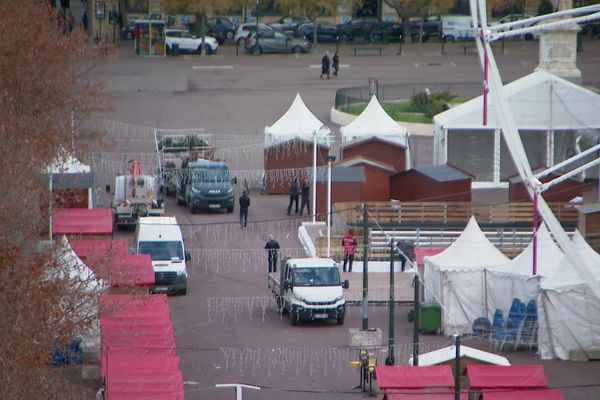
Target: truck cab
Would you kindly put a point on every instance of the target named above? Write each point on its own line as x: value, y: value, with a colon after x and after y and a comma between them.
x: 310, y: 288
x: 206, y: 185
x: 161, y: 238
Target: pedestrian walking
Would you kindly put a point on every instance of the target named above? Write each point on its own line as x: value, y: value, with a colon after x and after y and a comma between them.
x: 294, y: 193
x: 349, y: 245
x: 272, y: 248
x: 336, y: 63
x: 305, y: 198
x: 325, y: 65
x: 71, y: 22
x: 244, y: 204
x: 84, y: 21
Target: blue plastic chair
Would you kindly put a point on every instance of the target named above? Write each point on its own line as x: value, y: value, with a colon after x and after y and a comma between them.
x: 498, y: 330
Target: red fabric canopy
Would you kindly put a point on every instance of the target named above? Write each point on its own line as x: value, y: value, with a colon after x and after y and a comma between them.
x: 82, y: 221
x: 402, y: 376
x: 109, y: 259
x: 545, y: 394
x: 512, y: 377
x: 422, y: 252
x: 424, y: 394
x: 138, y: 357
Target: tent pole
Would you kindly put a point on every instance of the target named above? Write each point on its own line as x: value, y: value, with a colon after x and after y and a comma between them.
x: 457, y: 367
x: 485, y: 85
x: 535, y: 229
x: 314, y: 193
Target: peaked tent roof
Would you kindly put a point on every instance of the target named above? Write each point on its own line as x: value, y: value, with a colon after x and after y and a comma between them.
x: 567, y: 276
x: 374, y: 121
x: 296, y: 122
x: 449, y: 353
x: 550, y: 257
x: 470, y: 251
x: 559, y: 104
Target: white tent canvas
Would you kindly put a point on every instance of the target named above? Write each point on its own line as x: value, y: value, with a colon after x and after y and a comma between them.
x: 548, y: 111
x: 296, y: 123
x: 374, y: 121
x: 569, y: 313
x: 454, y: 278
x: 515, y: 279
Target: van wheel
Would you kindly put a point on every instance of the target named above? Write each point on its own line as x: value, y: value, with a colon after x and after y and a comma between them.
x: 296, y: 49
x: 178, y: 199
x: 229, y: 210
x: 340, y: 320
x: 183, y: 291
x: 450, y: 38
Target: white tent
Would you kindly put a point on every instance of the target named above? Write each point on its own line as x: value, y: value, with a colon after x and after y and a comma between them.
x: 296, y: 123
x: 550, y: 112
x: 569, y: 313
x: 70, y: 173
x: 515, y: 279
x: 454, y: 278
x: 374, y: 121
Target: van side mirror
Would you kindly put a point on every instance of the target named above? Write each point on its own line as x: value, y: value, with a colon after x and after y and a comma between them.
x: 346, y: 284
x: 107, y: 188
x: 234, y: 181
x: 188, y: 256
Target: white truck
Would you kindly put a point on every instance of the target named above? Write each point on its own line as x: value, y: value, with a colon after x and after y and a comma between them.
x: 136, y: 195
x: 309, y: 288
x: 161, y: 238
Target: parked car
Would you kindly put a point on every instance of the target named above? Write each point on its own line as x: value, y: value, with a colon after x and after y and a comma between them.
x: 290, y: 24
x: 517, y: 17
x: 457, y: 27
x: 357, y: 27
x: 127, y: 32
x: 243, y: 30
x: 326, y: 32
x: 276, y: 42
x: 386, y: 31
x: 432, y: 26
x: 221, y: 28
x: 189, y: 42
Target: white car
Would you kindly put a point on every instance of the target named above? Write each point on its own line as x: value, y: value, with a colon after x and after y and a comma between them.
x: 189, y: 42
x: 243, y: 29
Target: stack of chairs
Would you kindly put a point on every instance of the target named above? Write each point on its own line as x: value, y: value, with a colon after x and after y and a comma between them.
x: 511, y: 331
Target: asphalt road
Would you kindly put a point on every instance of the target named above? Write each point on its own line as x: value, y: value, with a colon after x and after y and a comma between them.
x: 226, y: 328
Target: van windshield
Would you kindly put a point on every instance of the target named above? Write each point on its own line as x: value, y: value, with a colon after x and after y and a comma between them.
x: 326, y: 276
x: 161, y: 251
x: 215, y: 174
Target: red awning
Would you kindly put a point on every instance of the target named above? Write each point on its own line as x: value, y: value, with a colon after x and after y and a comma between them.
x: 110, y: 260
x: 511, y: 377
x: 545, y: 394
x: 402, y: 377
x: 82, y: 221
x: 422, y: 252
x: 138, y: 357
x: 424, y: 394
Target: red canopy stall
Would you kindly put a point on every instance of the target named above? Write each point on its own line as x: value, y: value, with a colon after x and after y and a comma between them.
x: 408, y: 382
x: 506, y: 377
x: 82, y: 222
x: 544, y: 394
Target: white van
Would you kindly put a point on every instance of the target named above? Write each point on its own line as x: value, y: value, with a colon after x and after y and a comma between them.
x: 457, y: 27
x: 162, y: 239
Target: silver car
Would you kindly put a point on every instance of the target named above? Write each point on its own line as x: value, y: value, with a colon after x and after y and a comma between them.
x: 276, y: 42
x: 189, y: 42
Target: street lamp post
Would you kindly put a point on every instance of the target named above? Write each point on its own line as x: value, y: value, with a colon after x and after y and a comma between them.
x: 330, y: 159
x: 256, y: 47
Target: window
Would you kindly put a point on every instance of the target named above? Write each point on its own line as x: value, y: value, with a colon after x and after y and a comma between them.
x: 162, y: 251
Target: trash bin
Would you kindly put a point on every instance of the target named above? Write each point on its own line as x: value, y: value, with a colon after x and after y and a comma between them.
x: 175, y: 49
x: 430, y: 317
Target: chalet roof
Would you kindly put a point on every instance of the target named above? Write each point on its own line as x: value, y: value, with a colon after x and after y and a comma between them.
x: 359, y: 159
x: 441, y: 173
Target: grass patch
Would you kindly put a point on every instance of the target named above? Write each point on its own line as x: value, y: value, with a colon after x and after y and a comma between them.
x: 401, y: 111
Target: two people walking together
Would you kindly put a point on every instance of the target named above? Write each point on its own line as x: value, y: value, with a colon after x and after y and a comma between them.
x: 327, y: 63
x: 295, y: 193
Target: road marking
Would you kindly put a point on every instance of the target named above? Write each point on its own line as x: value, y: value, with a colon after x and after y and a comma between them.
x: 319, y: 66
x: 191, y: 383
x: 212, y: 67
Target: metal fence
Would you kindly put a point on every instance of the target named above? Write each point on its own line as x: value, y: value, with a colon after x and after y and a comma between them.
x: 403, y: 91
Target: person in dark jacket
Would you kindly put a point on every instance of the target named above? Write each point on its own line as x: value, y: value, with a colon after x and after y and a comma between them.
x: 336, y: 63
x: 244, y: 204
x: 305, y: 198
x: 272, y: 248
x: 325, y: 65
x: 294, y: 192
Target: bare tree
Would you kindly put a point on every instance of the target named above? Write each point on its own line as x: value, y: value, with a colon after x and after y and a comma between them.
x: 44, y: 78
x: 419, y: 8
x: 310, y: 8
x: 201, y: 9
